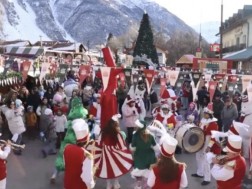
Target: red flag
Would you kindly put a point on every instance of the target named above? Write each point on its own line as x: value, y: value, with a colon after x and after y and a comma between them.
x: 107, y: 55
x: 84, y: 72
x: 25, y: 67
x: 149, y: 76
x: 212, y: 88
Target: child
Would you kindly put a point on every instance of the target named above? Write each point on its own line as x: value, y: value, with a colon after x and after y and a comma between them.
x: 143, y: 145
x: 31, y: 121
x: 49, y: 134
x: 60, y: 124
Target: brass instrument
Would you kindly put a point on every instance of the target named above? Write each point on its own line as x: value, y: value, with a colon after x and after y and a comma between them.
x: 13, y: 145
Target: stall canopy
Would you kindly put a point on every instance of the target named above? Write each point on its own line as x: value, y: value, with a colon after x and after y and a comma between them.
x: 27, y: 52
x: 186, y: 59
x: 244, y: 54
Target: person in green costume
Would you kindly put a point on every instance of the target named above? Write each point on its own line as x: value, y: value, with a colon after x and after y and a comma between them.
x: 77, y: 111
x: 143, y: 146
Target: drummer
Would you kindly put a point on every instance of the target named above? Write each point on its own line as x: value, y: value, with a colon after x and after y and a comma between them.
x: 166, y: 117
x: 208, y: 123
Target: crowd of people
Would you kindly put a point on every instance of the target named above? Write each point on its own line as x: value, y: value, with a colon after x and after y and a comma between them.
x: 128, y: 141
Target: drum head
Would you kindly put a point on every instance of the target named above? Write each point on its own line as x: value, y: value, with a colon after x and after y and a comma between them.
x: 193, y: 140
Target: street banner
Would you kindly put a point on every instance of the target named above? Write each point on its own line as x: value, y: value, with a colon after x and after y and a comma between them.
x: 105, y: 73
x: 107, y: 55
x: 212, y: 88
x: 84, y: 72
x: 162, y: 85
x: 25, y: 68
x: 149, y: 77
x: 246, y: 80
x: 44, y: 70
x: 173, y: 76
x: 196, y: 77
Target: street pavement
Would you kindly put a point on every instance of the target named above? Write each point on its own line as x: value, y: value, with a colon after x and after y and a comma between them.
x: 32, y: 171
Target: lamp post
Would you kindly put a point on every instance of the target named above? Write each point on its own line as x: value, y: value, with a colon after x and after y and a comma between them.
x: 221, y: 30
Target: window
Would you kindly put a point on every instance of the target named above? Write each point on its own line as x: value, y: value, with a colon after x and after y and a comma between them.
x: 244, y: 39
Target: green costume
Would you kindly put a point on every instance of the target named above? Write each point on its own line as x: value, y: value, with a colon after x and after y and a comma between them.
x: 77, y: 111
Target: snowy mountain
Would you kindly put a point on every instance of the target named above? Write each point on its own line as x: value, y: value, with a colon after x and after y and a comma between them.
x: 208, y: 31
x: 81, y: 20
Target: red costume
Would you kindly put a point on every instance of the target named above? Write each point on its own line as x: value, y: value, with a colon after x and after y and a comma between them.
x: 239, y: 173
x: 74, y: 158
x: 95, y: 110
x: 171, y: 185
x: 166, y: 119
x: 214, y: 147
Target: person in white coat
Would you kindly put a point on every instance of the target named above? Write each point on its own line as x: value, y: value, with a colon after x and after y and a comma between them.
x: 4, y: 153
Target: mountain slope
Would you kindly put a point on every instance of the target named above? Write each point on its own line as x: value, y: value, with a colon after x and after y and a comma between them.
x: 82, y: 20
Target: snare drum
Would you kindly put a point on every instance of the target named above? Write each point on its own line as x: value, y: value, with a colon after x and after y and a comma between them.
x: 190, y: 138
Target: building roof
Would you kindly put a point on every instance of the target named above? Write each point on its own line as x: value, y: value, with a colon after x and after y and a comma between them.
x: 67, y: 46
x: 17, y: 43
x: 186, y: 59
x: 244, y: 54
x: 27, y: 52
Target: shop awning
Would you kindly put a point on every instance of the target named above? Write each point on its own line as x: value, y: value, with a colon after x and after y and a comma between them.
x: 27, y: 52
x: 244, y: 54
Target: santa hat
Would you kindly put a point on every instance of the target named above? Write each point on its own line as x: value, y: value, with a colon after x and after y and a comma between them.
x: 48, y: 111
x: 234, y: 144
x: 209, y: 108
x: 245, y: 98
x: 168, y: 146
x: 81, y: 130
x: 129, y: 99
x: 116, y: 117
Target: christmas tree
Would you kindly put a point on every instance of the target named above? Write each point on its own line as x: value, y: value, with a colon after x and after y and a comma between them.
x: 76, y: 112
x: 144, y: 44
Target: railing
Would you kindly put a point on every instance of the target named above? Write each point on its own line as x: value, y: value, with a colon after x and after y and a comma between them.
x: 234, y: 48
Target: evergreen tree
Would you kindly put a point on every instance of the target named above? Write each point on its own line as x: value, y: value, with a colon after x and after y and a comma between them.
x: 145, y: 41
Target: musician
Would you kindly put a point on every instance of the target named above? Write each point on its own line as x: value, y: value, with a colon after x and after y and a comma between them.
x: 4, y: 152
x: 166, y: 117
x: 168, y: 172
x: 78, y: 161
x: 208, y: 123
x: 230, y: 172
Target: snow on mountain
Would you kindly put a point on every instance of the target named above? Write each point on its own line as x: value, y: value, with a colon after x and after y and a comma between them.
x: 82, y: 20
x: 208, y: 31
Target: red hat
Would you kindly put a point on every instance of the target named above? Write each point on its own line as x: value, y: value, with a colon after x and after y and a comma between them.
x: 234, y: 144
x: 209, y: 108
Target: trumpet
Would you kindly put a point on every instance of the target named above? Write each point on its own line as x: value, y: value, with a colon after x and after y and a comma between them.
x: 13, y: 145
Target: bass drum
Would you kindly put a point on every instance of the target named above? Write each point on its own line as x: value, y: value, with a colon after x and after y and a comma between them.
x: 190, y: 138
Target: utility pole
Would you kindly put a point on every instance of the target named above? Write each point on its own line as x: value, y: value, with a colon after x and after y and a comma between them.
x: 221, y: 30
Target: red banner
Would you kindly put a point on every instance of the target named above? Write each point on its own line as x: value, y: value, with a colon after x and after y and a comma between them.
x: 25, y: 69
x: 149, y: 76
x: 84, y: 72
x: 53, y: 69
x: 212, y: 88
x: 162, y: 85
x: 122, y: 79
x: 108, y: 57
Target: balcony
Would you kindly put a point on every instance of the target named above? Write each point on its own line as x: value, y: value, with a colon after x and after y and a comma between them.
x: 234, y: 48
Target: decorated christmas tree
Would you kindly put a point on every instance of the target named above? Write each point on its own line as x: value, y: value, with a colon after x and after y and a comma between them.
x: 145, y: 42
x: 76, y: 112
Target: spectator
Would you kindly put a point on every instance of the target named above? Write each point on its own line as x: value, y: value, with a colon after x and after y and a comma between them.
x: 218, y: 106
x: 31, y: 121
x: 33, y: 99
x: 60, y: 126
x: 237, y: 100
x: 202, y: 96
x: 49, y: 95
x: 193, y: 111
x: 228, y: 114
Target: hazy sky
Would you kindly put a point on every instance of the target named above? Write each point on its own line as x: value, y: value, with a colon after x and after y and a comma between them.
x: 194, y: 12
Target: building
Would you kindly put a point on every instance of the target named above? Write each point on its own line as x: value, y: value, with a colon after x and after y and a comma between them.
x: 237, y: 37
x: 186, y: 61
